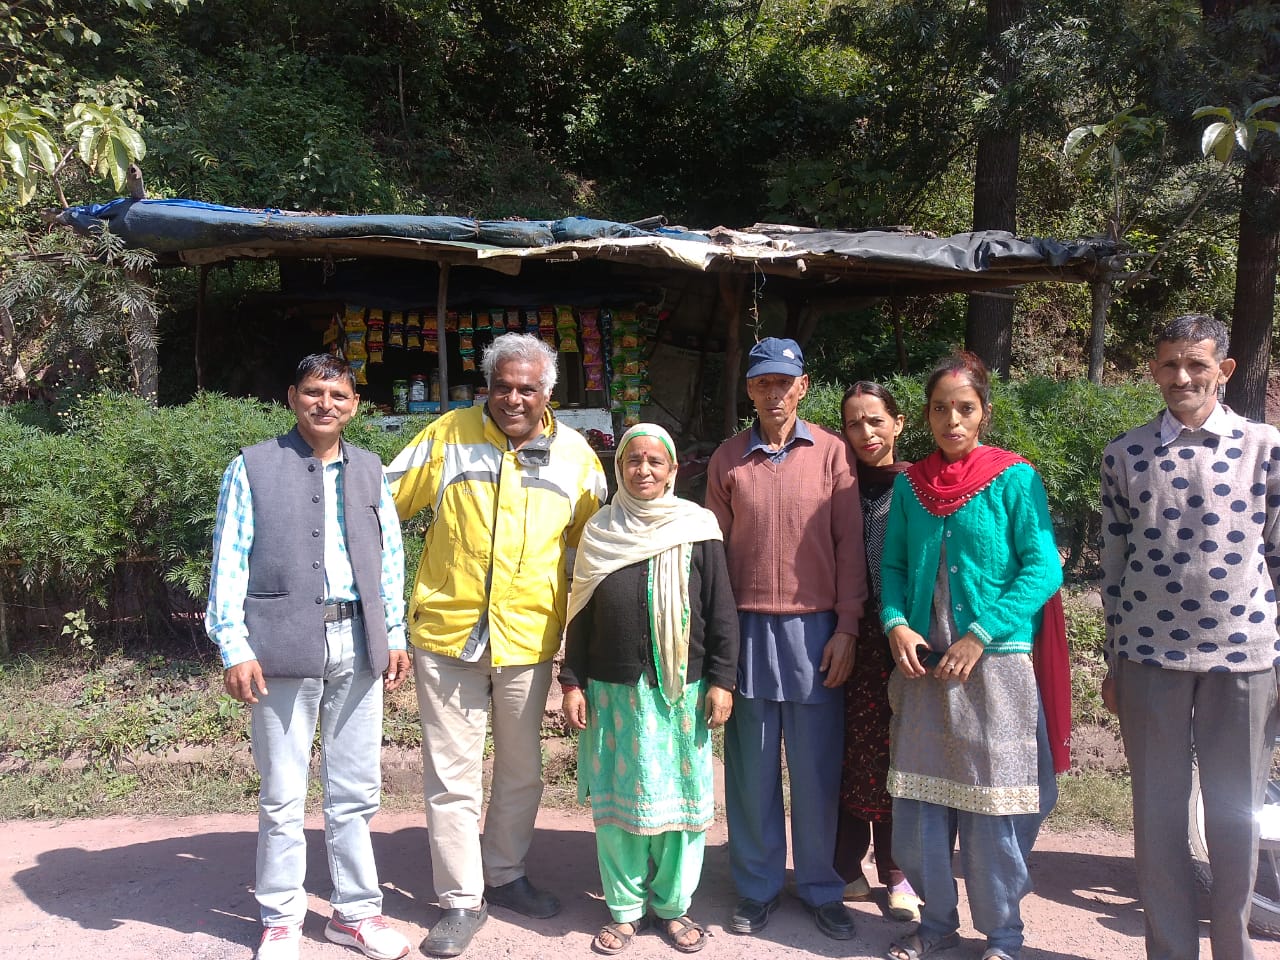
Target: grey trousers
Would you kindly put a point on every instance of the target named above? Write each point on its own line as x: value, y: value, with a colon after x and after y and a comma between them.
x: 1228, y: 721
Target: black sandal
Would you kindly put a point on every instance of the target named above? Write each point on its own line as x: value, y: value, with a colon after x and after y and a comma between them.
x: 685, y: 925
x: 614, y: 929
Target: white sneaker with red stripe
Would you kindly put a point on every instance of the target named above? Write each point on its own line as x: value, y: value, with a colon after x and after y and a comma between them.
x: 372, y: 936
x: 281, y: 942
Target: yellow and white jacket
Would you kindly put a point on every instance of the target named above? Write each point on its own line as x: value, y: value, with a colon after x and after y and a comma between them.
x: 495, y: 520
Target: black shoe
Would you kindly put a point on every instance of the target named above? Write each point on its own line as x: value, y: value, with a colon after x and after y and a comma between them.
x: 523, y: 897
x: 453, y: 931
x: 834, y: 919
x: 751, y: 916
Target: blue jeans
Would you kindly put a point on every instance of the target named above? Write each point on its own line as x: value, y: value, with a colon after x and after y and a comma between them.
x: 347, y: 702
x: 993, y: 857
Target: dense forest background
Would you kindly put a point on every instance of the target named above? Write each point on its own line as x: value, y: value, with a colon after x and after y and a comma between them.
x: 942, y: 115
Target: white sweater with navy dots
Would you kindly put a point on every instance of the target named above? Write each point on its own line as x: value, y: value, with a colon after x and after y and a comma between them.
x: 1191, y: 546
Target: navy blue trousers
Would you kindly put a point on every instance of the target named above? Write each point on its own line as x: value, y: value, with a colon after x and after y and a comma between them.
x: 753, y: 743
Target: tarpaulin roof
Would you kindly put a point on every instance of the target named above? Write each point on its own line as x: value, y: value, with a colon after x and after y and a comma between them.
x: 865, y: 263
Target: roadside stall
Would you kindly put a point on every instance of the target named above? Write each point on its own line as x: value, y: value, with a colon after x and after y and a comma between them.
x: 649, y: 321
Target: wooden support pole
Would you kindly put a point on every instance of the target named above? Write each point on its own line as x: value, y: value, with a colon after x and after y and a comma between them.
x: 732, y: 290
x: 442, y: 338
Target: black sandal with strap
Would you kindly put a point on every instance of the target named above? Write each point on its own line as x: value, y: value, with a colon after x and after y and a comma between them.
x: 614, y: 929
x: 684, y: 926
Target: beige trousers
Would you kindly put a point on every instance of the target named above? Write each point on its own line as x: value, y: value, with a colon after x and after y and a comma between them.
x: 454, y: 700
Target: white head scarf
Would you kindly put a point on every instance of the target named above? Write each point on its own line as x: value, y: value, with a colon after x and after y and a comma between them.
x: 662, y: 531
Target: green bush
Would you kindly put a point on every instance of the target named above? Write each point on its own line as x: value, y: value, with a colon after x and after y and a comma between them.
x: 1059, y: 425
x: 114, y: 512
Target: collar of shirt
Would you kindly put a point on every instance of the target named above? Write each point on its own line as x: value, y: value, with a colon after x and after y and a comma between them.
x: 801, y: 434
x: 1218, y: 423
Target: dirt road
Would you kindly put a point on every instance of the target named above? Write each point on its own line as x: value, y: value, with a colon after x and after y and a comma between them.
x: 152, y: 887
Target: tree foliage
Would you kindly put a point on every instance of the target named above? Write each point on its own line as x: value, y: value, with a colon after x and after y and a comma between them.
x: 848, y: 114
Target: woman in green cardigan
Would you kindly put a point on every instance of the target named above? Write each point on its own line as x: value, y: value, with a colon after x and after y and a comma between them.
x: 969, y: 561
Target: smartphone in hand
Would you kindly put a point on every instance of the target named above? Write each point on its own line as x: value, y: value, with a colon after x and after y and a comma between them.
x: 927, y: 656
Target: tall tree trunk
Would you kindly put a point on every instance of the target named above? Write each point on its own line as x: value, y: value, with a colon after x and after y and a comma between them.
x: 1254, y: 311
x: 1100, y: 291
x: 15, y: 372
x: 1259, y: 240
x: 988, y: 329
x: 142, y: 337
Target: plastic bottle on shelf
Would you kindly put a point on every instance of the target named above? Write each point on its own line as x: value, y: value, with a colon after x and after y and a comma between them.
x: 418, y: 388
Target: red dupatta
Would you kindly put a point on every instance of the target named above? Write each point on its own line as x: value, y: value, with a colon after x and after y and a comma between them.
x: 943, y: 487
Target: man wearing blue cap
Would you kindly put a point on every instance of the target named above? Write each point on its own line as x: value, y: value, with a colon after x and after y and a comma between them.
x: 786, y: 496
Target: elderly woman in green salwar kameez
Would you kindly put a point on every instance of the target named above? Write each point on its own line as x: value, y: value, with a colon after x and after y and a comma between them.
x: 650, y: 665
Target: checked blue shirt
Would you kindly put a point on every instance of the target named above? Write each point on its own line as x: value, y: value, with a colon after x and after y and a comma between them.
x: 233, y: 539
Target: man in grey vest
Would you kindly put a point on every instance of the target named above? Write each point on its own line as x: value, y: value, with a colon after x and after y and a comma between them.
x: 307, y: 598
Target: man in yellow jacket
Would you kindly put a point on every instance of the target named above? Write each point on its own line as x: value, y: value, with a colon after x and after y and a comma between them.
x: 509, y: 491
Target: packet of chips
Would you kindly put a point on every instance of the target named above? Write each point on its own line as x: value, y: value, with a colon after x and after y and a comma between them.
x: 430, y: 332
x: 355, y: 348
x: 354, y: 318
x: 566, y: 330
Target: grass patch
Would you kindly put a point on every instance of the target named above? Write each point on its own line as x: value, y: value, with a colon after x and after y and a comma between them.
x: 104, y: 711
x: 167, y: 789
x: 1093, y: 799
x: 94, y: 735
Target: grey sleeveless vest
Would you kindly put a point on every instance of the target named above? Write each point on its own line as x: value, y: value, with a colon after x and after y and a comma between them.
x: 284, y: 608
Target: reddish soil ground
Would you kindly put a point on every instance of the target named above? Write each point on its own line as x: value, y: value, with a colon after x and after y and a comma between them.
x: 131, y: 888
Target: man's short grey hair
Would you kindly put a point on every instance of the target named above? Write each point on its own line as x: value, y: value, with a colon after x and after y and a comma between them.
x: 522, y: 348
x: 1194, y: 327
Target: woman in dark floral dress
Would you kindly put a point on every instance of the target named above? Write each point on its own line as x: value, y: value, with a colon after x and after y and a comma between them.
x: 872, y: 424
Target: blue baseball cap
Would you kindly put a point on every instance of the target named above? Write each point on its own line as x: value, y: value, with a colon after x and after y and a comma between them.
x: 775, y: 355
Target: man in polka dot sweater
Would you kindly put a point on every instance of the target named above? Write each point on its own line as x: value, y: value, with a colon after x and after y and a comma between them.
x: 1190, y: 566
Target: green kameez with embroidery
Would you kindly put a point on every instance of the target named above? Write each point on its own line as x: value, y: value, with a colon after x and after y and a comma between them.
x: 646, y: 765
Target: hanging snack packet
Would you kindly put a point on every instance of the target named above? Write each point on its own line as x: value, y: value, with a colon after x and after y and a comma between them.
x: 332, y: 333
x: 358, y: 367
x: 395, y: 329
x: 430, y: 332
x: 412, y: 331
x: 566, y: 330
x: 355, y: 347
x: 354, y: 318
x: 375, y: 331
